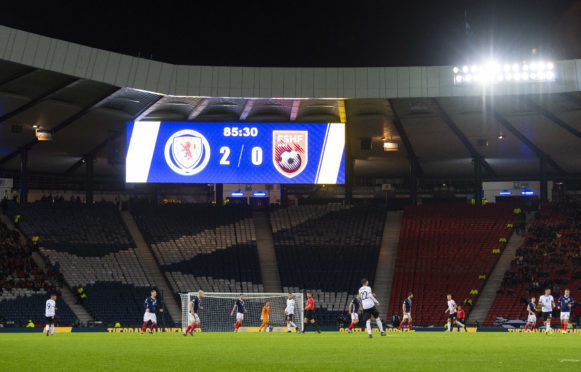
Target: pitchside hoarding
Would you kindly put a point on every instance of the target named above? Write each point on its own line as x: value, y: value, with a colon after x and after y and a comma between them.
x: 197, y: 152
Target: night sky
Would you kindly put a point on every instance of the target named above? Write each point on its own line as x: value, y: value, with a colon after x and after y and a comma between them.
x: 310, y: 33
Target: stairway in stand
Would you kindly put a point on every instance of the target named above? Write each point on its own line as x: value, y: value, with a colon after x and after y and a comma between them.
x: 151, y: 266
x: 266, y: 253
x: 386, y: 262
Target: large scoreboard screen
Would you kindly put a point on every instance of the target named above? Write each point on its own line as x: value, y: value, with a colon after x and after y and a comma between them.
x: 196, y: 152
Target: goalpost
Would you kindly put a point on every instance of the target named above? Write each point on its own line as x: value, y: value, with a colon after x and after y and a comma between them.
x: 215, y: 317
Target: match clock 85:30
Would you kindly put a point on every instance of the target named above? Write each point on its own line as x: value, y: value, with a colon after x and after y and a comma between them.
x: 240, y: 132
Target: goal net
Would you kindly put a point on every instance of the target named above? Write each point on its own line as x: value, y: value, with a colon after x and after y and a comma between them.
x: 215, y: 317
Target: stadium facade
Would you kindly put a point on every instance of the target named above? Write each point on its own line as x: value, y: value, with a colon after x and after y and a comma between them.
x: 64, y: 109
x: 446, y: 133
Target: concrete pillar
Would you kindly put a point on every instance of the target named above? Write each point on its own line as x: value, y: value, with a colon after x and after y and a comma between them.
x: 478, y: 181
x: 23, y: 175
x: 543, y: 179
x: 413, y: 181
x: 219, y: 194
x: 89, y: 179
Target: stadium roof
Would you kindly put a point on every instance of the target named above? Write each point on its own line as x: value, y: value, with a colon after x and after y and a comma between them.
x: 84, y: 96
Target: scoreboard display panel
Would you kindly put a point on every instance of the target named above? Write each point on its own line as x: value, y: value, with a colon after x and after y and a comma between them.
x: 198, y: 152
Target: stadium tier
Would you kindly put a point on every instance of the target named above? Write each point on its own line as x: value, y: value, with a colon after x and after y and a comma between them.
x: 327, y: 249
x: 443, y: 249
x: 24, y: 287
x: 202, y: 246
x: 548, y: 258
x: 18, y: 306
x: 94, y: 251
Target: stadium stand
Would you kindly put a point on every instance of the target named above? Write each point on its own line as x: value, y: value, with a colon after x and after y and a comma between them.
x: 24, y: 287
x: 327, y: 249
x: 443, y: 249
x: 95, y: 252
x: 203, y: 247
x: 548, y: 258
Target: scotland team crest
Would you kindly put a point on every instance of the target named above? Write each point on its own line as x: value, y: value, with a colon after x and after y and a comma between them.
x: 187, y: 152
x: 290, y: 151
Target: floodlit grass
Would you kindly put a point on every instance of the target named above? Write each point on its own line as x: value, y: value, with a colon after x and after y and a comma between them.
x: 419, y: 351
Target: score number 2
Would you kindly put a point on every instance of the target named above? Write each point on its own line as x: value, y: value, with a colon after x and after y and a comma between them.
x: 256, y: 155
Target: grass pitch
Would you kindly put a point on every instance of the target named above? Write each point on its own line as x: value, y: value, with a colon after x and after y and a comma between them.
x: 421, y: 351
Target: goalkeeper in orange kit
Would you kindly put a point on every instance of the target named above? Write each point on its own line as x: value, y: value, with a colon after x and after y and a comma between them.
x: 264, y: 316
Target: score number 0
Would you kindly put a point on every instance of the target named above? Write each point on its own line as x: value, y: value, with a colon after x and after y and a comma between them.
x: 256, y: 155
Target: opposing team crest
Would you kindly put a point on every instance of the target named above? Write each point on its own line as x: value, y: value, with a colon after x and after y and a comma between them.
x: 290, y: 151
x: 187, y: 152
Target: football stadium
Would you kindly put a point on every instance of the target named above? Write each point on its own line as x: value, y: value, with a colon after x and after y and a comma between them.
x: 238, y: 208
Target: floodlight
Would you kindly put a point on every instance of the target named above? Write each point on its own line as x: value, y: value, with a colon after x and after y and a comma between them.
x: 485, y: 79
x: 43, y: 135
x: 390, y: 146
x: 493, y: 72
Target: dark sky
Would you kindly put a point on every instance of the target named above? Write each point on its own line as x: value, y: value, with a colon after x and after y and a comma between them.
x: 310, y: 33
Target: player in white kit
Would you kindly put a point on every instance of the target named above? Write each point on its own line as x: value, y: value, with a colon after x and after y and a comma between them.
x: 289, y: 311
x: 49, y: 313
x: 368, y: 302
x: 452, y: 310
x: 548, y: 303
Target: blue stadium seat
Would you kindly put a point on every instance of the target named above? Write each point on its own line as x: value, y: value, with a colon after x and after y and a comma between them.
x: 202, y: 246
x: 327, y: 249
x: 30, y: 306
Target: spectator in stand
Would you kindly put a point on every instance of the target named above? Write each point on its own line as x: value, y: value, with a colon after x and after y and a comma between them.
x: 81, y: 295
x: 34, y: 240
x: 17, y: 269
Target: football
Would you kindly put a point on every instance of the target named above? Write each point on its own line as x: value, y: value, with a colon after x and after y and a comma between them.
x: 290, y: 160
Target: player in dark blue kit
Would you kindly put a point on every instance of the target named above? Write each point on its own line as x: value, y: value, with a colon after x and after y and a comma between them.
x: 354, y: 312
x: 193, y: 318
x: 150, y: 306
x: 407, y: 311
x: 532, y: 318
x: 565, y: 303
x: 240, y: 310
